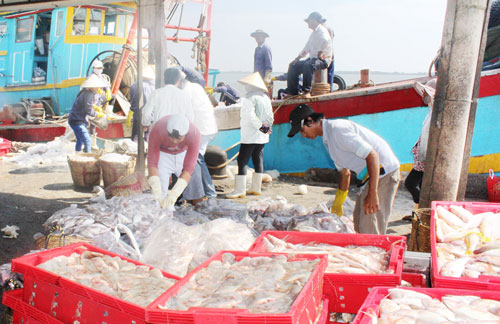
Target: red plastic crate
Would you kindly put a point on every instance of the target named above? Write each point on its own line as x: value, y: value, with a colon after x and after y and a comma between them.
x: 27, y: 265
x: 438, y: 281
x: 323, y: 316
x: 345, y: 291
x: 24, y: 311
x: 303, y: 310
x: 371, y: 304
x: 417, y: 280
x: 4, y: 146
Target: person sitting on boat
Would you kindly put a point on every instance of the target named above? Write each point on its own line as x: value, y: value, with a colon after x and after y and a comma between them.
x: 282, y: 93
x: 104, y: 92
x: 204, y: 119
x: 228, y: 95
x: 148, y: 86
x: 193, y: 76
x: 167, y: 100
x: 262, y: 59
x: 354, y: 147
x: 82, y: 109
x: 255, y: 121
x: 331, y: 67
x: 413, y: 181
x: 174, y: 143
x: 318, y: 51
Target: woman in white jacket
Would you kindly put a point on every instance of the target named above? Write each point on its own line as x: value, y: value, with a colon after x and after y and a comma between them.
x: 256, y: 119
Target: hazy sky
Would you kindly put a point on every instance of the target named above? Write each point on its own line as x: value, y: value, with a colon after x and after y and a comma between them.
x: 381, y: 35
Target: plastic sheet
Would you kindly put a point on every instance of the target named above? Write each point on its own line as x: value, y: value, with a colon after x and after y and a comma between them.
x: 224, y: 208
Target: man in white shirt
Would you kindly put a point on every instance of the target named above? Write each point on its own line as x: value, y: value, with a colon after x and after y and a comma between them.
x: 354, y: 147
x: 168, y: 100
x: 318, y: 51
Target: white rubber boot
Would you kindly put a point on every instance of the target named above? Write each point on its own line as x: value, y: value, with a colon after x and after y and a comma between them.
x: 255, y: 188
x: 239, y: 187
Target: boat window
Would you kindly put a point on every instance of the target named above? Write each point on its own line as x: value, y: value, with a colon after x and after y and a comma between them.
x: 59, y: 24
x: 24, y: 29
x: 3, y: 29
x: 122, y: 20
x: 95, y: 21
x: 79, y: 21
x: 109, y: 25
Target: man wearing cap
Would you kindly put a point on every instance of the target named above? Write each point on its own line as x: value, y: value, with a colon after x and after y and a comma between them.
x: 82, y: 109
x: 318, y: 51
x: 256, y: 119
x: 167, y: 100
x: 354, y: 147
x: 148, y: 86
x: 173, y: 148
x: 262, y: 59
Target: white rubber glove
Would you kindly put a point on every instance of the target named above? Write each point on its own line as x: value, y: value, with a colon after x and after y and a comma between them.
x: 155, y: 184
x: 174, y: 193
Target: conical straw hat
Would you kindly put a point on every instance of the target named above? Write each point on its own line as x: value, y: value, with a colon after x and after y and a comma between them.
x: 94, y: 81
x: 254, y: 80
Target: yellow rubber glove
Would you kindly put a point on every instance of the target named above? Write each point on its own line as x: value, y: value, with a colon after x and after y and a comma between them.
x: 100, y: 115
x: 174, y: 193
x: 273, y: 79
x: 109, y: 96
x: 100, y: 92
x: 130, y: 115
x: 97, y: 108
x: 155, y: 184
x: 340, y: 198
x: 267, y: 76
x: 209, y: 91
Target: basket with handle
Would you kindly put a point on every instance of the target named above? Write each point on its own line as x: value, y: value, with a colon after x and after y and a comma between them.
x: 133, y: 183
x: 57, y: 238
x: 114, y: 170
x: 85, y: 169
x: 493, y: 183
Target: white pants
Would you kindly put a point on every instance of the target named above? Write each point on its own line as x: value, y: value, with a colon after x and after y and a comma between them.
x: 169, y: 164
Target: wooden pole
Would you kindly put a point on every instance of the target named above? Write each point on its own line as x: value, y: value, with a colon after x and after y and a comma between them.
x: 472, y: 116
x: 140, y: 163
x: 455, y: 87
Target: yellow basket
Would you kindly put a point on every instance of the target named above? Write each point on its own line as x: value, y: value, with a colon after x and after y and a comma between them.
x: 85, y: 173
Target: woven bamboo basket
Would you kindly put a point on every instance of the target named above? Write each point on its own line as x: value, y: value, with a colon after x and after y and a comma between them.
x: 133, y: 183
x: 85, y: 173
x: 112, y: 171
x: 420, y: 236
x: 58, y: 240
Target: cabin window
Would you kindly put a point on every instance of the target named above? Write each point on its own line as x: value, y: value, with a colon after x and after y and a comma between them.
x: 122, y: 21
x: 24, y: 30
x: 79, y: 22
x: 109, y: 25
x: 3, y: 29
x: 59, y: 24
x: 95, y: 21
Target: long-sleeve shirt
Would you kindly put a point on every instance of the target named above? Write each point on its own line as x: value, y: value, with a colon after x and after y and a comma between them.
x: 204, y: 117
x: 193, y: 76
x: 160, y: 141
x: 227, y: 89
x: 262, y: 60
x: 256, y: 110
x: 319, y: 40
x: 148, y: 86
x: 168, y: 100
x: 82, y: 107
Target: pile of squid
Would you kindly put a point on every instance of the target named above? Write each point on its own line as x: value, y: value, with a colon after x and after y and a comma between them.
x: 468, y: 245
x: 341, y: 259
x: 407, y: 306
x: 111, y: 275
x: 259, y: 284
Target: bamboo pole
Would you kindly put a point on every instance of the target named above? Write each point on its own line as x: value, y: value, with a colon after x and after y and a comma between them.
x: 454, y: 94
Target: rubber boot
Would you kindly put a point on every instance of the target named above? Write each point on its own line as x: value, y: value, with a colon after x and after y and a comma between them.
x: 255, y: 188
x: 239, y: 187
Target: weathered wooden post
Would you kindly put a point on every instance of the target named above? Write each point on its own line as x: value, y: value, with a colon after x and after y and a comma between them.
x: 461, y: 44
x: 154, y: 20
x: 140, y: 163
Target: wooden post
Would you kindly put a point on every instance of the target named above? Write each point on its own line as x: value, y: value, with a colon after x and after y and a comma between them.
x: 461, y: 43
x: 154, y: 20
x: 472, y: 116
x: 140, y: 163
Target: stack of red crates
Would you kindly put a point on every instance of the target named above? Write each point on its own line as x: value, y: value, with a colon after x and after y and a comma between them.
x: 347, y: 292
x: 50, y: 298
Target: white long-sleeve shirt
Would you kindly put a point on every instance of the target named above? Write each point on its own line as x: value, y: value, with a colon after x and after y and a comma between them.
x: 168, y: 100
x: 319, y: 40
x: 256, y: 110
x: 204, y: 117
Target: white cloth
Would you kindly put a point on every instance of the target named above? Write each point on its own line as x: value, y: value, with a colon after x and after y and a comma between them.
x: 319, y: 40
x: 169, y: 164
x: 256, y: 110
x: 349, y: 144
x: 204, y: 117
x: 205, y: 140
x: 424, y: 136
x: 168, y: 100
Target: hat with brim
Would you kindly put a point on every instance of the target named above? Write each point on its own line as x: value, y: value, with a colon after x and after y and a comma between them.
x: 94, y: 81
x: 317, y: 16
x: 148, y: 73
x: 259, y: 32
x: 177, y: 126
x: 297, y: 115
x: 254, y: 80
x: 97, y: 64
